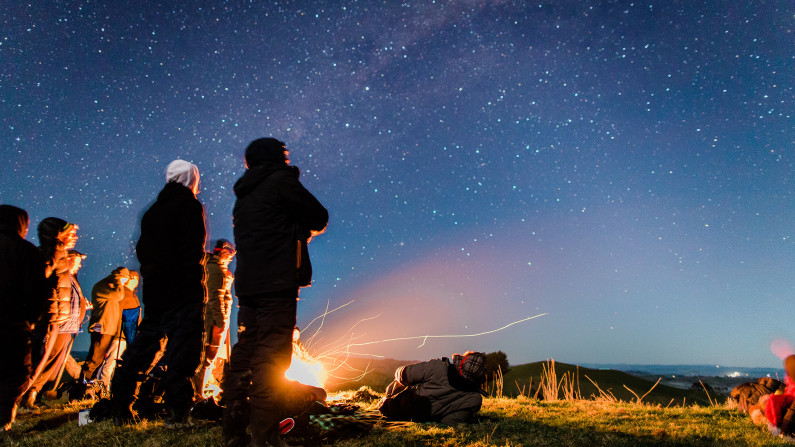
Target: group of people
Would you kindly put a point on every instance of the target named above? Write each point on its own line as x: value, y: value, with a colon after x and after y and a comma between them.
x: 182, y: 326
x: 187, y: 299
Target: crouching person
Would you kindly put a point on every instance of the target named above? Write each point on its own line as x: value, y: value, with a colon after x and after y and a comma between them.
x: 439, y: 390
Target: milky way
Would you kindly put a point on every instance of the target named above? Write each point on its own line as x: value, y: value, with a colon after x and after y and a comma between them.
x: 624, y: 167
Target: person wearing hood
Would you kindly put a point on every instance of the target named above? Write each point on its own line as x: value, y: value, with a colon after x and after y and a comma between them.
x: 274, y: 218
x: 439, y: 390
x: 104, y: 324
x: 171, y: 251
x: 24, y: 296
x: 56, y: 238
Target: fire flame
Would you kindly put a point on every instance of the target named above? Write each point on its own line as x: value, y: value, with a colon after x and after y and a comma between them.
x: 304, y: 368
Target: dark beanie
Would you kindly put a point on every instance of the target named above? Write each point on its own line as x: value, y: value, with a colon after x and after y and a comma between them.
x: 49, y: 228
x: 265, y: 150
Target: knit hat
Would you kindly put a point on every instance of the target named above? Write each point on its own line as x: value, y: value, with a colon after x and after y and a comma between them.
x: 223, y: 244
x: 184, y: 173
x: 471, y: 366
x: 265, y: 150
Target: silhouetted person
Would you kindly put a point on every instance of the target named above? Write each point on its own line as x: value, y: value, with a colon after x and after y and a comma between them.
x: 438, y: 390
x: 23, y: 297
x: 170, y: 250
x: 274, y: 218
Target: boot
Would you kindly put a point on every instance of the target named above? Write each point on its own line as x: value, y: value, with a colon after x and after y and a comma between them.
x: 235, y: 423
x: 30, y: 400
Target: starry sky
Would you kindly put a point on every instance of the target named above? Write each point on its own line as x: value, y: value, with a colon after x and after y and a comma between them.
x: 625, y: 168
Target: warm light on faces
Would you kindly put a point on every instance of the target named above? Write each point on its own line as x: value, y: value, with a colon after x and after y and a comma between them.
x: 69, y: 237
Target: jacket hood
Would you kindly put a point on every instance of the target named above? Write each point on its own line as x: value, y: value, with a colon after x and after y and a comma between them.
x: 13, y: 220
x: 184, y: 173
x: 255, y: 175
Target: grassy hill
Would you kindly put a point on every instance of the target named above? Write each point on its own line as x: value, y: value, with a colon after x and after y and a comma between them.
x: 525, y: 379
x: 501, y: 422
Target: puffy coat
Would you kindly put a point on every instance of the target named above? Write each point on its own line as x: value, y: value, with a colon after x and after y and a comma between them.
x: 436, y: 392
x: 171, y: 249
x: 273, y: 218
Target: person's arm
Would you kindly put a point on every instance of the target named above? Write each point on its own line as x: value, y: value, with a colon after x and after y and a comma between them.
x: 309, y: 212
x: 412, y: 374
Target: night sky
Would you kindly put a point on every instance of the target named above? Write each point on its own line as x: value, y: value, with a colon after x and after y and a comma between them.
x: 624, y: 167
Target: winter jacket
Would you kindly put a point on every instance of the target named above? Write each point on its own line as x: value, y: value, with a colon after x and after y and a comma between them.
x: 273, y: 218
x: 171, y: 249
x: 436, y: 392
x: 23, y: 289
x: 219, y: 294
x: 106, y: 297
x: 77, y: 309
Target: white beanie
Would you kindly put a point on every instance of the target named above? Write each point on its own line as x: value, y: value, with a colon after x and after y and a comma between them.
x: 185, y: 173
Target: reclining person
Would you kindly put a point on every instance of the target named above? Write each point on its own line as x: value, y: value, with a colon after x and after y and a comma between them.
x: 438, y: 390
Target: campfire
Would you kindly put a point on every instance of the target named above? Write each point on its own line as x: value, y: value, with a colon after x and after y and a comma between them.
x: 303, y: 368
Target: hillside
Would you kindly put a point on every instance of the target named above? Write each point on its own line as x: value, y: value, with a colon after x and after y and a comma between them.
x: 518, y: 379
x: 501, y: 422
x: 377, y: 374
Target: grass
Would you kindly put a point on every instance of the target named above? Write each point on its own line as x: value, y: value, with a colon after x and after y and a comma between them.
x: 521, y: 421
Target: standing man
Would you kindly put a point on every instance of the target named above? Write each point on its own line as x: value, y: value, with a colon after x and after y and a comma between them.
x: 24, y: 297
x: 170, y: 250
x: 218, y: 308
x: 274, y: 218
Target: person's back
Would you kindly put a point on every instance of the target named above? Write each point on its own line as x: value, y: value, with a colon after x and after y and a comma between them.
x: 171, y: 251
x: 171, y: 248
x: 23, y: 291
x: 274, y: 216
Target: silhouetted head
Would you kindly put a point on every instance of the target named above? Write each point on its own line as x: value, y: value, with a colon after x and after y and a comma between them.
x: 266, y: 150
x: 13, y: 219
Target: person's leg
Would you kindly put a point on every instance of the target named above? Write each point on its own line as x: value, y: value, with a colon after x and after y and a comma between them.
x: 100, y: 343
x: 51, y: 364
x: 237, y: 380
x: 136, y: 361
x: 114, y: 353
x: 271, y: 359
x: 184, y: 328
x: 15, y: 376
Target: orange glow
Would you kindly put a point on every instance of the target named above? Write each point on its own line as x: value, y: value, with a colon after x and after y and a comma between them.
x: 304, y: 368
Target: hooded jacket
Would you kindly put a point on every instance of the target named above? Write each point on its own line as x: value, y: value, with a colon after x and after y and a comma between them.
x: 219, y: 294
x: 439, y: 393
x: 273, y: 218
x: 171, y: 248
x: 106, y: 297
x: 23, y: 288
